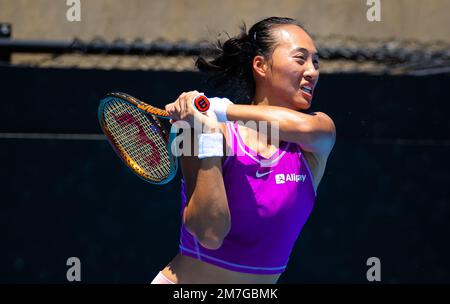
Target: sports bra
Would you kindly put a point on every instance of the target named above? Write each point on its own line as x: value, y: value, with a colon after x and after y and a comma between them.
x: 270, y: 199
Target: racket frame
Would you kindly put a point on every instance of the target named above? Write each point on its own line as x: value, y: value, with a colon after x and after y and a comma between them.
x: 154, y: 113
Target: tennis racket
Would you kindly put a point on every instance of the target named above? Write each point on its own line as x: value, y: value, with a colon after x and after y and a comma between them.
x: 136, y: 133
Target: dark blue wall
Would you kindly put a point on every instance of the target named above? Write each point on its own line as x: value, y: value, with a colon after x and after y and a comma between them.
x: 385, y: 192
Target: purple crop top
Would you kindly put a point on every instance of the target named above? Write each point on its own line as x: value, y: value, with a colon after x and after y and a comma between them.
x: 268, y: 206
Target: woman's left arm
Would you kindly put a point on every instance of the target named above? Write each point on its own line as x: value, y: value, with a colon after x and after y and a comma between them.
x: 314, y: 132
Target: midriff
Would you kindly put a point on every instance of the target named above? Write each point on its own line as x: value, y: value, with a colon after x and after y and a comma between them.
x: 186, y: 270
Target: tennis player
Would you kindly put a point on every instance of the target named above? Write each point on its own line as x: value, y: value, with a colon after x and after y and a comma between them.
x: 245, y: 202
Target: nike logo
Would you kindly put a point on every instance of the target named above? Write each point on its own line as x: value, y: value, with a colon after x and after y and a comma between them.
x: 258, y: 175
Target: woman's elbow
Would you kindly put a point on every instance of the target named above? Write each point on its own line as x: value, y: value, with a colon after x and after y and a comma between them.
x: 210, y: 233
x: 210, y: 238
x: 211, y: 243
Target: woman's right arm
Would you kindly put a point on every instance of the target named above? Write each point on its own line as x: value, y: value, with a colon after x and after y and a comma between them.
x: 206, y: 215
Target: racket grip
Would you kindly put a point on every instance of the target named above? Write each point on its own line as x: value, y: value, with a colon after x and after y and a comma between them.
x: 201, y: 103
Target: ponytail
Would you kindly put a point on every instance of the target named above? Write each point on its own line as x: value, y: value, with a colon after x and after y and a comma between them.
x: 231, y: 66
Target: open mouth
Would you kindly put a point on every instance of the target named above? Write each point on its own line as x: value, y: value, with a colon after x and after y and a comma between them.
x: 307, y: 91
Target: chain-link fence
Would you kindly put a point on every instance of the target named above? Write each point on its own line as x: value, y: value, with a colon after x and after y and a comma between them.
x: 338, y: 54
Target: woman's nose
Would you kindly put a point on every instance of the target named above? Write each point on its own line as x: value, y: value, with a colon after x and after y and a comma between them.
x: 311, y: 72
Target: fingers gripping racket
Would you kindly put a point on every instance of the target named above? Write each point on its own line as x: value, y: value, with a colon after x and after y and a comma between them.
x: 135, y: 132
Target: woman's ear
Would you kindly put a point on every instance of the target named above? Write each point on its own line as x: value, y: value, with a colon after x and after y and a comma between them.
x: 260, y: 65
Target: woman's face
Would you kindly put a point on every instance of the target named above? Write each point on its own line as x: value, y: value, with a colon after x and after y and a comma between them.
x: 293, y: 68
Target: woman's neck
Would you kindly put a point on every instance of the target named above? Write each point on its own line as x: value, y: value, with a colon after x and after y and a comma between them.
x: 262, y: 98
x: 267, y: 102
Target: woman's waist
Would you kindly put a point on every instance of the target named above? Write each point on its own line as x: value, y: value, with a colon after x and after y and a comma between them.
x: 185, y: 270
x: 264, y: 253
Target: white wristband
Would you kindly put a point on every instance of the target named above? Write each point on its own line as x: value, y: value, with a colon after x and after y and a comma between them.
x: 220, y: 109
x: 210, y: 145
x: 218, y: 106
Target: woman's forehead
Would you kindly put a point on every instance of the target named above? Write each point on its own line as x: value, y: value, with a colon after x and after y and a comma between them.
x: 292, y: 38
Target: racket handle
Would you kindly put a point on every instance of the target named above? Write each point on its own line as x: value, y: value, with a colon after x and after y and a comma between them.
x: 201, y: 103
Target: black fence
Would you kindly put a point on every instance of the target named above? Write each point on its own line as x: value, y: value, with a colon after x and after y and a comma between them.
x: 385, y: 192
x: 392, y: 56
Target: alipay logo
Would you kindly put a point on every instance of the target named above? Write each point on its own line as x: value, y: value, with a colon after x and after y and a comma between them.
x: 280, y: 179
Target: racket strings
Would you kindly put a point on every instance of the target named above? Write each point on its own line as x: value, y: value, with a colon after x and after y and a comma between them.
x: 140, y: 137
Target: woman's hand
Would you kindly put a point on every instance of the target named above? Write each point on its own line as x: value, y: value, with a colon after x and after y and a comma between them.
x: 183, y: 109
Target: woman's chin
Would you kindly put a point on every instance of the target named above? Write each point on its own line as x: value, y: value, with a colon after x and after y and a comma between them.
x: 303, y: 104
x: 303, y: 101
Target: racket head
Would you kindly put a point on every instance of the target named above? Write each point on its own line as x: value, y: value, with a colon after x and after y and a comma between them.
x: 138, y: 138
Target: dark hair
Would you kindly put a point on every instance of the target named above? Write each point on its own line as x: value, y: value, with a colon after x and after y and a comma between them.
x: 231, y: 65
